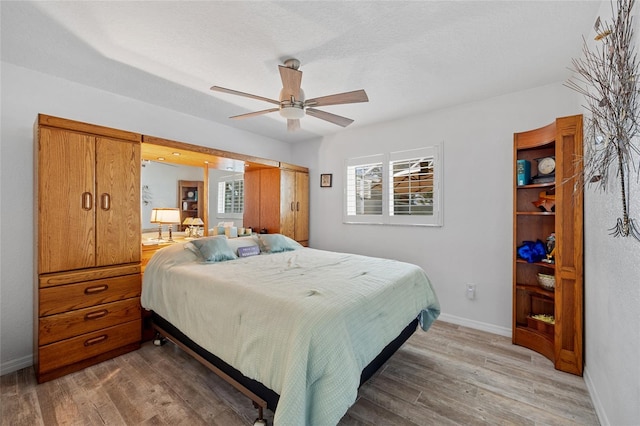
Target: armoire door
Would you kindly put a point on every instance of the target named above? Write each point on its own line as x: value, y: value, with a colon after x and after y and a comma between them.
x: 118, y: 237
x: 302, y: 207
x: 66, y: 188
x: 287, y: 203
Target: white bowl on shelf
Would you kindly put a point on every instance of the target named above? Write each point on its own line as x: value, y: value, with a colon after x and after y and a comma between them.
x: 548, y: 282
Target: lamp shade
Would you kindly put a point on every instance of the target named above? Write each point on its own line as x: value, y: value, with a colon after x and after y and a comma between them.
x: 197, y: 221
x: 188, y: 221
x: 165, y: 215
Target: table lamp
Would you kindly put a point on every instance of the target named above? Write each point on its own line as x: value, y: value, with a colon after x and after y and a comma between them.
x: 163, y: 216
x: 197, y: 222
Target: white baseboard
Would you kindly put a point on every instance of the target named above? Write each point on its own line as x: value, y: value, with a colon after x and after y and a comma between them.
x: 595, y: 399
x: 16, y: 364
x: 483, y: 326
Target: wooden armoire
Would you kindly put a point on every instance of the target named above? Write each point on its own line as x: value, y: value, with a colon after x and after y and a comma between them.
x: 87, y: 251
x: 277, y: 199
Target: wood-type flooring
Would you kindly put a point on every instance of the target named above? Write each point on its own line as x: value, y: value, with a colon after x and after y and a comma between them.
x: 450, y: 375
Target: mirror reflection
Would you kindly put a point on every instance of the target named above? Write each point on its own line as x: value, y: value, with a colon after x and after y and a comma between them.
x: 174, y: 185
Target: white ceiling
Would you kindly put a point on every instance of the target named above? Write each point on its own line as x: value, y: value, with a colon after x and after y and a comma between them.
x: 410, y: 56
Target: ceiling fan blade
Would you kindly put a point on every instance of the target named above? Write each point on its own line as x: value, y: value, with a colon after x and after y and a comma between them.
x: 291, y: 81
x: 293, y: 124
x: 331, y: 118
x: 246, y: 95
x: 339, y: 98
x: 256, y: 113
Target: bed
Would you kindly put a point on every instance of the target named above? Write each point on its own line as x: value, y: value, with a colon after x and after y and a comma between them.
x: 298, y: 328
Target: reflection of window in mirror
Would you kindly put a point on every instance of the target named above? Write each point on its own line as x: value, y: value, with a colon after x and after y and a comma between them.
x: 231, y: 196
x: 229, y: 189
x: 162, y: 181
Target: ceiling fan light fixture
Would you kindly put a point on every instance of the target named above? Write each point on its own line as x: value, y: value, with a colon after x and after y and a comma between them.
x: 292, y: 112
x: 292, y: 103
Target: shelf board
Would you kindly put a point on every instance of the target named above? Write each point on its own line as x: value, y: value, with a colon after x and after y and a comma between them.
x: 537, y: 185
x: 535, y: 331
x: 534, y: 288
x: 533, y: 339
x: 543, y: 264
x: 536, y: 213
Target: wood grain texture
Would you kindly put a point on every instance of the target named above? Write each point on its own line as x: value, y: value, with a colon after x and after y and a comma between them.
x: 302, y: 208
x: 117, y: 202
x: 449, y: 375
x: 66, y: 200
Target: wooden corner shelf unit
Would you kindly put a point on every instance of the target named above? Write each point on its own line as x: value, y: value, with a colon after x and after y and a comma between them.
x: 562, y: 341
x: 190, y: 200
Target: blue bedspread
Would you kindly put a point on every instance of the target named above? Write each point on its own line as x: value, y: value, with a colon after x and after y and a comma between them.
x: 304, y: 323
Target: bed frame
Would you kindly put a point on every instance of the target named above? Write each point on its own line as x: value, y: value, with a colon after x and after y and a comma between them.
x: 262, y: 396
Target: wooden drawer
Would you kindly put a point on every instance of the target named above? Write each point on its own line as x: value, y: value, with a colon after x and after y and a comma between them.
x: 62, y: 326
x: 88, y: 345
x: 63, y: 298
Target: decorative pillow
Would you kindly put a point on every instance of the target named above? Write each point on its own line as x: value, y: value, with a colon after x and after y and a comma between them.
x: 236, y: 243
x: 276, y: 243
x: 248, y: 251
x: 214, y: 249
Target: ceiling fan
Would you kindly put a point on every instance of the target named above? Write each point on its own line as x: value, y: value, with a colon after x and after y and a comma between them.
x: 292, y: 103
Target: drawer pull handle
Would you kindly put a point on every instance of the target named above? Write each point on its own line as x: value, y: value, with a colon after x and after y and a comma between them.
x: 96, y: 314
x: 95, y: 340
x: 87, y: 201
x: 105, y: 201
x: 96, y: 289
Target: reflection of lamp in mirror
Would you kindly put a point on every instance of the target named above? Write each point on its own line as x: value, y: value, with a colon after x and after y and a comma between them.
x: 188, y: 222
x: 163, y: 216
x: 197, y: 231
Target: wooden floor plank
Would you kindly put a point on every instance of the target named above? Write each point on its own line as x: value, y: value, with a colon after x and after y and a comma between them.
x: 450, y: 375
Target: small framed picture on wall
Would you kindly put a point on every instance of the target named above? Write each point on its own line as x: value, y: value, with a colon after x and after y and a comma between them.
x: 325, y: 180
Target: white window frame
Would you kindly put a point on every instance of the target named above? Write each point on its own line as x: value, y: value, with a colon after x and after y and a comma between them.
x: 350, y: 190
x: 388, y: 217
x: 222, y: 184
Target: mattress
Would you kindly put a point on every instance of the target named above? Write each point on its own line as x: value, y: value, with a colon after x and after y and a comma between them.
x: 303, y: 322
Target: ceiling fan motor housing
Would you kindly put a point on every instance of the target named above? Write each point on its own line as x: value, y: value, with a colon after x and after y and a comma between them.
x: 291, y: 108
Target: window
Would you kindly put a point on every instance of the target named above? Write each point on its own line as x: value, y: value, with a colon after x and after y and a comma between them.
x: 364, y: 188
x: 402, y: 188
x: 230, y: 195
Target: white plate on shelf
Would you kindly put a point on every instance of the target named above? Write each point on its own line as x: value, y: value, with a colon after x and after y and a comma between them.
x: 190, y: 194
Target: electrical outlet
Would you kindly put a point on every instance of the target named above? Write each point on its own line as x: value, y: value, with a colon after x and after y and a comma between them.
x: 471, y: 291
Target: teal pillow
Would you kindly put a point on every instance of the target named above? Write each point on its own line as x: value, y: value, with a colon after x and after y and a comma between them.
x: 276, y: 243
x: 214, y: 249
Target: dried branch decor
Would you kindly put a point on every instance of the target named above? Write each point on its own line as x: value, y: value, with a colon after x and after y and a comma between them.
x: 608, y: 78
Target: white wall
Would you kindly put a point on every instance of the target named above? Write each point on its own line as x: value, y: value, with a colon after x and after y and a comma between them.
x: 26, y: 93
x: 612, y: 294
x: 612, y: 308
x: 474, y: 245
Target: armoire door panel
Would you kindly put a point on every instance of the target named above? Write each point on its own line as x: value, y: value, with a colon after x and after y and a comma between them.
x: 302, y: 207
x: 117, y: 202
x: 270, y: 200
x: 66, y: 201
x: 251, y: 215
x: 287, y: 203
